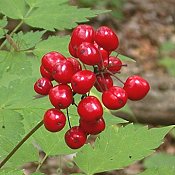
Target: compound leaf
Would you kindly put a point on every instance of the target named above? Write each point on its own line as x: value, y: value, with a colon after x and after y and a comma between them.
x: 116, y: 148
x: 10, y: 171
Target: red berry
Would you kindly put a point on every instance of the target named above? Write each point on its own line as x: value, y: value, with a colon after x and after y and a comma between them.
x: 75, y: 137
x: 76, y: 64
x: 114, y: 64
x: 103, y: 82
x: 50, y: 59
x: 114, y: 98
x: 63, y: 71
x: 88, y: 54
x: 45, y: 73
x: 92, y: 127
x: 82, y: 33
x: 43, y: 86
x: 90, y: 109
x: 106, y: 38
x: 54, y: 120
x: 136, y: 87
x: 61, y: 96
x: 83, y: 81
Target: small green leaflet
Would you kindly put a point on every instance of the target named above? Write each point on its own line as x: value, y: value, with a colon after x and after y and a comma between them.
x: 3, y: 23
x: 116, y: 148
x: 159, y: 164
x: 55, y: 43
x: 27, y: 40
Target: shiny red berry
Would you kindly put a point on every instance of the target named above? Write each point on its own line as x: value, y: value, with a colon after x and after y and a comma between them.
x: 76, y: 64
x: 72, y: 51
x: 61, y: 96
x: 103, y: 82
x: 83, y: 81
x: 136, y: 87
x: 50, y: 59
x: 43, y: 86
x: 45, y: 73
x: 92, y: 128
x: 106, y: 38
x: 90, y: 109
x: 113, y: 64
x: 63, y: 71
x: 75, y: 137
x: 88, y: 54
x: 54, y: 120
x: 82, y: 33
x: 114, y: 98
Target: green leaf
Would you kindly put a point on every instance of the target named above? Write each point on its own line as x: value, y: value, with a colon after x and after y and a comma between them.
x: 168, y: 46
x: 15, y: 63
x: 116, y: 148
x: 58, y: 16
x: 159, y: 164
x: 169, y: 64
x: 55, y: 43
x: 16, y: 8
x: 27, y: 40
x: 10, y: 171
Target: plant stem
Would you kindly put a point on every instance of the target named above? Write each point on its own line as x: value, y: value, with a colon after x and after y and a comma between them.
x: 67, y: 111
x: 26, y: 137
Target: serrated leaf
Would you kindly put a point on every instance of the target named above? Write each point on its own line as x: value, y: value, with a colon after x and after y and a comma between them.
x: 116, y: 148
x: 27, y: 40
x: 159, y: 164
x: 55, y: 43
x: 10, y: 171
x: 58, y: 16
x: 16, y: 8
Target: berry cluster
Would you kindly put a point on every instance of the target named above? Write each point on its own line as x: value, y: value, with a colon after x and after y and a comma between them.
x: 93, y: 48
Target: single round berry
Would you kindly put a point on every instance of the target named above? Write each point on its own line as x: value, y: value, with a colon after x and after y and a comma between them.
x: 113, y: 64
x: 61, y: 96
x: 88, y: 54
x: 63, y: 72
x: 43, y: 86
x: 106, y: 38
x: 90, y: 109
x: 50, y: 59
x: 75, y: 137
x: 45, y: 73
x: 114, y: 98
x: 92, y: 128
x: 103, y: 82
x: 54, y: 120
x: 82, y: 33
x: 76, y: 64
x: 136, y: 87
x: 83, y: 81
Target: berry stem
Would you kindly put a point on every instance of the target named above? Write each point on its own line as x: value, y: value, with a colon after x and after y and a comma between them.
x: 67, y: 111
x: 26, y: 137
x: 115, y: 76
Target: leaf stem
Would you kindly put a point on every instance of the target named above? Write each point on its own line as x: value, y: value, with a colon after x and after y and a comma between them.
x: 26, y: 137
x: 41, y: 163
